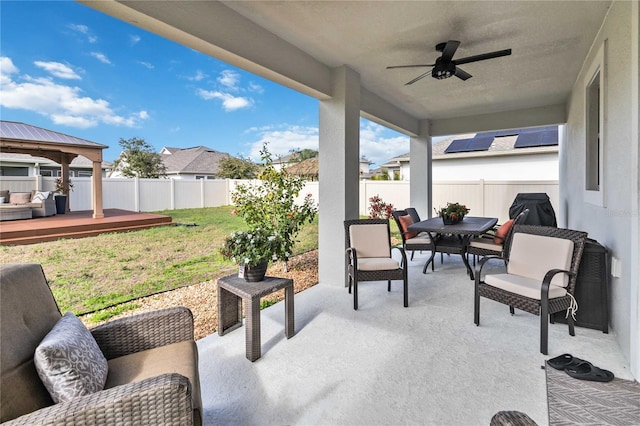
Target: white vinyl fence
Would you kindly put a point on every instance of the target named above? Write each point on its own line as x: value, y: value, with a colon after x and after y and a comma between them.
x: 484, y: 198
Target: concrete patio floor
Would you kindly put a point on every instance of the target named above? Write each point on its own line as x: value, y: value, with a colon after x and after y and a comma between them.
x: 384, y: 364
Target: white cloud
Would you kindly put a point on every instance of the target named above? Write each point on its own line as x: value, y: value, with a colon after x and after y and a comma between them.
x: 58, y: 70
x: 282, y: 139
x: 229, y: 79
x: 6, y: 67
x: 229, y: 102
x: 101, y: 57
x: 134, y: 39
x: 146, y: 64
x: 254, y: 87
x: 376, y: 142
x: 83, y: 29
x: 60, y: 103
x: 199, y: 76
x: 227, y: 90
x: 379, y: 145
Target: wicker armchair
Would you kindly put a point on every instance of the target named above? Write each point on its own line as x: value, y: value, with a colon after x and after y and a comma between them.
x: 541, y: 275
x: 152, y: 357
x: 368, y: 256
x: 485, y: 245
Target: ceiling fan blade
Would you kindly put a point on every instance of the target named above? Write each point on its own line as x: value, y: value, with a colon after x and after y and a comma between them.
x: 409, y: 66
x: 482, y: 57
x: 420, y: 77
x: 462, y: 75
x: 449, y: 50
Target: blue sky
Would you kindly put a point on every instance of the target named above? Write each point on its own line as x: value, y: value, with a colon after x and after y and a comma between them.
x: 71, y: 69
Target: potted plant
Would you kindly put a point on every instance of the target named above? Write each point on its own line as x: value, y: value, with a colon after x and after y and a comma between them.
x: 62, y: 190
x: 452, y: 213
x: 252, y: 250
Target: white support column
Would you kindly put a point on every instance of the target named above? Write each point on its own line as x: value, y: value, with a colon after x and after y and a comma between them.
x: 420, y: 186
x: 339, y: 155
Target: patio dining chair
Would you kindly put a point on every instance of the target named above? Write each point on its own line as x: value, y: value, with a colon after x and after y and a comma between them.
x: 540, y: 278
x: 497, y: 243
x: 368, y: 256
x: 411, y: 241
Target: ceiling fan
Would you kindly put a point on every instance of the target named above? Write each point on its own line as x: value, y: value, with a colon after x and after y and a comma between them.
x: 446, y: 66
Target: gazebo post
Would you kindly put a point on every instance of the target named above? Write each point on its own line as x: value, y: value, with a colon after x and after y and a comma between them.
x: 96, y: 180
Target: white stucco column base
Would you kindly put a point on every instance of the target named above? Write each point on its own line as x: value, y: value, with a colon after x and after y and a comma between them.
x: 420, y: 190
x: 339, y: 155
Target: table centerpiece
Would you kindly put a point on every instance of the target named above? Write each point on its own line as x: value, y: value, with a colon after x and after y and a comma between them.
x: 452, y: 213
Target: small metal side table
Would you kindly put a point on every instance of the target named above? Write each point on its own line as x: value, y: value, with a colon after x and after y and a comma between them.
x: 232, y: 290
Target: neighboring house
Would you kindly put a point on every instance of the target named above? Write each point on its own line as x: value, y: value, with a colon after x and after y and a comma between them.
x: 307, y: 169
x: 198, y: 162
x: 521, y: 154
x: 27, y: 165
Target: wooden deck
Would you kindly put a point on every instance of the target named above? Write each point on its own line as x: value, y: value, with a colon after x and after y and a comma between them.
x: 76, y: 225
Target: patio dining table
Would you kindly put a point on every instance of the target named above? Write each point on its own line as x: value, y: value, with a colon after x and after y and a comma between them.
x: 462, y: 231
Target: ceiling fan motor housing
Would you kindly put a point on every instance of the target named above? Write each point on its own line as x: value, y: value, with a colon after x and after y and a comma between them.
x: 443, y: 70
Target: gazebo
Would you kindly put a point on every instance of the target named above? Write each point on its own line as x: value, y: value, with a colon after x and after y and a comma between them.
x: 23, y: 138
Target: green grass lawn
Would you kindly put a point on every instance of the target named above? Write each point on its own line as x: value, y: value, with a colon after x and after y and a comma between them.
x: 93, y: 273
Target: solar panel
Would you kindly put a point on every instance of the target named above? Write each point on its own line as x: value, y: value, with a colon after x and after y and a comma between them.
x: 545, y: 137
x: 481, y: 143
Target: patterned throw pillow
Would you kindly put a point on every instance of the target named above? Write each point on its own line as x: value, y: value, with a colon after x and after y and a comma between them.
x: 39, y: 197
x: 69, y: 361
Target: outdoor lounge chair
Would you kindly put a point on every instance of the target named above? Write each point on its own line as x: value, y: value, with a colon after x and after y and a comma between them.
x: 541, y: 275
x: 495, y: 244
x: 368, y: 256
x: 152, y: 358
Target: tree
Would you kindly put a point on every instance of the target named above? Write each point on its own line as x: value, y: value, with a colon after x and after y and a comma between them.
x: 304, y: 154
x: 237, y: 168
x: 138, y: 159
x: 271, y: 205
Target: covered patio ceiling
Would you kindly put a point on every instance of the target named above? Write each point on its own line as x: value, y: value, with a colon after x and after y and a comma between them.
x: 298, y: 43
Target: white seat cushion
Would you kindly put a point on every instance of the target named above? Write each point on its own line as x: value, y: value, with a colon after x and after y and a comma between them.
x: 523, y: 286
x: 532, y: 256
x: 370, y: 240
x: 485, y: 244
x: 421, y: 238
x: 377, y: 264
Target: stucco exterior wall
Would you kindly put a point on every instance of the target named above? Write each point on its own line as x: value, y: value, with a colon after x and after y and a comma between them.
x: 611, y: 224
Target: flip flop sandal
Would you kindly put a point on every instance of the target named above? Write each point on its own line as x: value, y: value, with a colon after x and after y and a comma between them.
x: 587, y: 371
x: 563, y: 361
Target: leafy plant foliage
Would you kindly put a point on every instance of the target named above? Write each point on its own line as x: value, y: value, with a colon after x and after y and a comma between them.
x: 237, y: 168
x: 271, y: 205
x: 139, y: 159
x: 378, y: 209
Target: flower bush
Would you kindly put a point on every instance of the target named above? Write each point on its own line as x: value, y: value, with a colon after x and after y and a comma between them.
x: 378, y: 209
x: 454, y: 211
x: 271, y: 206
x: 251, y: 247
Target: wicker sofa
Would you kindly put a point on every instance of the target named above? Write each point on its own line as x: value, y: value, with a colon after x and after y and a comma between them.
x: 39, y: 208
x: 152, y: 361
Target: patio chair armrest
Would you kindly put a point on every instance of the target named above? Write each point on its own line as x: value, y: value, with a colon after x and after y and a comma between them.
x: 144, y: 331
x: 402, y: 252
x: 164, y: 399
x: 483, y: 261
x: 546, y: 282
x: 352, y: 257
